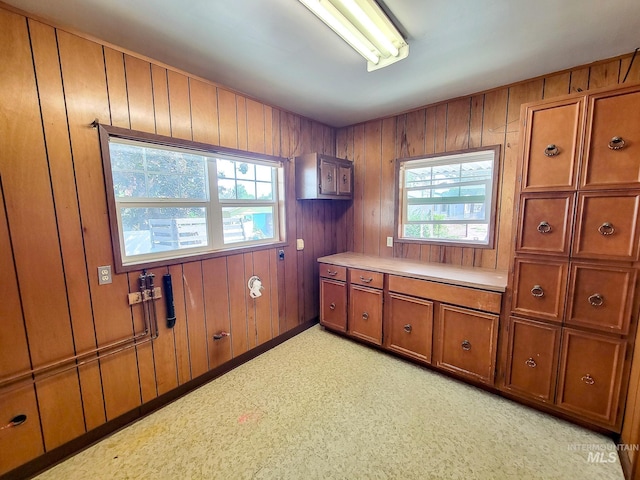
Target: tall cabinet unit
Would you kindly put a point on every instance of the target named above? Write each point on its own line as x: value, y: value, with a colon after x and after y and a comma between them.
x: 574, y: 273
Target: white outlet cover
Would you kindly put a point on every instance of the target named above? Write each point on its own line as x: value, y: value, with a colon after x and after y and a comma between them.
x: 299, y: 244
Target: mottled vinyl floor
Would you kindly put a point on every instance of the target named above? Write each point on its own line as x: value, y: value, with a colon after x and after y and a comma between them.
x: 323, y: 407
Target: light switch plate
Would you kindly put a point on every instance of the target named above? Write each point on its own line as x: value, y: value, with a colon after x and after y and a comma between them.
x: 299, y: 244
x: 389, y: 241
x: 104, y: 275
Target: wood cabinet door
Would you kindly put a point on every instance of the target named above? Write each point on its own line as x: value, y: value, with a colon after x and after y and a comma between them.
x: 333, y: 304
x: 539, y: 288
x: 409, y: 326
x: 467, y: 342
x: 607, y: 226
x: 328, y: 183
x: 344, y: 179
x: 532, y: 359
x: 551, y: 148
x: 546, y: 222
x: 601, y: 297
x: 365, y: 314
x: 612, y: 147
x: 590, y: 375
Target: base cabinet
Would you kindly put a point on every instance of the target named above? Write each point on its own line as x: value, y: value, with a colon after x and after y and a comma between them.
x: 333, y: 304
x: 467, y: 342
x: 409, y: 326
x: 365, y: 313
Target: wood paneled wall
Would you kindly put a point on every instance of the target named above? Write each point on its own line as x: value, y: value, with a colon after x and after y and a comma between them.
x: 478, y: 120
x: 54, y: 233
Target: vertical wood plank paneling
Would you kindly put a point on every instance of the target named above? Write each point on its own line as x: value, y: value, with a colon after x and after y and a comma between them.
x: 388, y: 189
x: 216, y: 304
x: 604, y: 74
x: 179, y: 105
x: 557, y: 85
x: 359, y: 185
x: 228, y: 118
x: 28, y: 198
x: 195, y: 301
x: 86, y: 98
x: 250, y: 303
x: 274, y: 292
x: 263, y: 307
x: 180, y: 330
x: 117, y: 88
x: 204, y: 112
x: 256, y: 131
x: 630, y: 70
x: 579, y: 80
x: 19, y: 445
x: 237, y: 304
x: 140, y: 94
x: 372, y: 187
x: 269, y: 147
x: 458, y: 121
x: 241, y: 109
x: 54, y: 120
x: 164, y: 347
x: 475, y: 122
x: 161, y: 100
x: 430, y: 130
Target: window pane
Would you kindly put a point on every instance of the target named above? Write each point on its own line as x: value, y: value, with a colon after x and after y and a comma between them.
x: 265, y: 191
x: 246, y: 171
x: 241, y: 224
x: 264, y: 174
x: 226, y: 189
x: 246, y: 190
x: 149, y: 230
x: 448, y: 231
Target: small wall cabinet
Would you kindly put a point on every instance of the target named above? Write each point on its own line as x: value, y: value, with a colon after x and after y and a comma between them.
x: 321, y: 176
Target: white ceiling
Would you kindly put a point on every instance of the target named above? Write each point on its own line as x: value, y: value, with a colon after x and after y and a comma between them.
x: 277, y: 51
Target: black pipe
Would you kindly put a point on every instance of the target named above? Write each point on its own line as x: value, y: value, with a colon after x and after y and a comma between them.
x: 168, y: 295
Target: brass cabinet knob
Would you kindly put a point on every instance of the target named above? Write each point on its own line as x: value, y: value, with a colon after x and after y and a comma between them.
x: 606, y: 229
x: 331, y: 273
x: 332, y: 306
x: 407, y: 328
x: 588, y: 379
x: 466, y: 345
x: 544, y: 227
x: 551, y: 150
x: 616, y: 143
x: 530, y: 362
x: 537, y: 291
x: 596, y: 300
x: 366, y: 280
x: 365, y: 316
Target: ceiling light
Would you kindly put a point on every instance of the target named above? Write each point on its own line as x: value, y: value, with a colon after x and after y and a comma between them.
x: 364, y: 26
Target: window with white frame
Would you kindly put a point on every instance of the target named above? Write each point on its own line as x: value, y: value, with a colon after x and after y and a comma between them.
x: 172, y: 199
x: 448, y: 198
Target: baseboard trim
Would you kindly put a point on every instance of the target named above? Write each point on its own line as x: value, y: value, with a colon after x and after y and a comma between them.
x: 59, y: 454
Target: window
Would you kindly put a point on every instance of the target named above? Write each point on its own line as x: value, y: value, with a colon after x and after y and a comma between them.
x: 448, y: 198
x: 170, y: 199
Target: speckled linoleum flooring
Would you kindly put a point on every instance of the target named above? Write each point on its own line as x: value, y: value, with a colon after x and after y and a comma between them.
x: 323, y: 407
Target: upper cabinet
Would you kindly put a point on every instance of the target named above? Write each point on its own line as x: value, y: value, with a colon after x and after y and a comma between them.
x: 321, y: 176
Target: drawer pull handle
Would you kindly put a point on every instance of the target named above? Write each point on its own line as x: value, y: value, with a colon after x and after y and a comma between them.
x: 365, y: 316
x: 537, y: 291
x: 366, y: 280
x: 544, y: 227
x: 329, y: 177
x: 606, y: 229
x: 616, y: 143
x: 530, y: 362
x: 407, y: 328
x: 551, y: 150
x: 332, y: 306
x: 596, y: 300
x: 331, y: 273
x: 466, y: 345
x: 15, y: 421
x: 588, y: 379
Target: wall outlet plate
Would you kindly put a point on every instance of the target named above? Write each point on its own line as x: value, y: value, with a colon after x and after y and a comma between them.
x: 299, y: 244
x: 104, y: 275
x: 389, y: 241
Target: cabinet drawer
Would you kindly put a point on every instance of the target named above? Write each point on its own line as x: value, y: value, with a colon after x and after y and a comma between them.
x: 590, y: 375
x: 608, y: 162
x: 409, y: 326
x: 366, y: 278
x: 607, y: 225
x: 545, y: 223
x: 365, y: 314
x: 539, y: 288
x: 333, y: 271
x: 463, y: 296
x: 601, y: 297
x: 467, y: 342
x: 333, y: 304
x: 532, y: 359
x: 551, y: 145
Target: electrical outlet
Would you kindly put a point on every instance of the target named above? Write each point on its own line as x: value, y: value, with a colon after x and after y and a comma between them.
x: 299, y: 244
x: 104, y: 275
x: 389, y: 241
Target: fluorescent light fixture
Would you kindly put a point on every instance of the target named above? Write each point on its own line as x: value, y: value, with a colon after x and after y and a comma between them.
x: 364, y: 26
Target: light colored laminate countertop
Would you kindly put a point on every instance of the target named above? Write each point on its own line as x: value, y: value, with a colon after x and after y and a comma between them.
x: 483, y: 278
